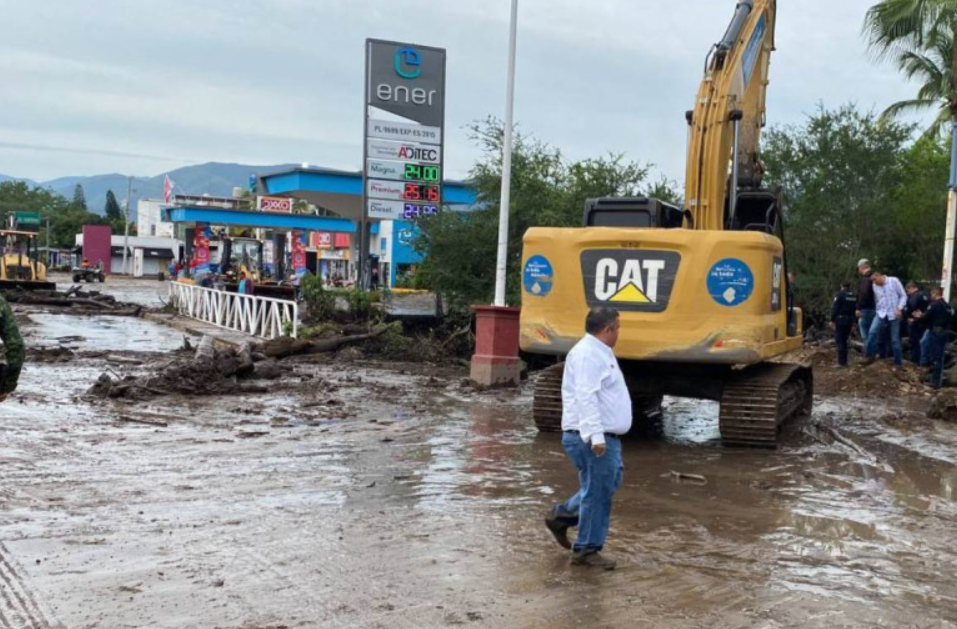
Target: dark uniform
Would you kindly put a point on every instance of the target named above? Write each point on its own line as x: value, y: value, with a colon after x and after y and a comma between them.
x: 916, y: 302
x: 937, y: 322
x: 12, y: 352
x: 842, y: 316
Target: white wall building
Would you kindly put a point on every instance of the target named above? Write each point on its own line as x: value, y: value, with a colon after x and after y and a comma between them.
x: 146, y: 256
x: 149, y: 219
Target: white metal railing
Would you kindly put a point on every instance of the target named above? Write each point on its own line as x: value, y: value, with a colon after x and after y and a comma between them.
x: 257, y: 316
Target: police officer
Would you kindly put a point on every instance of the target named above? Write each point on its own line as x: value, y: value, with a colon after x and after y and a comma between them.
x: 842, y: 320
x: 937, y: 322
x: 12, y: 352
x: 916, y: 303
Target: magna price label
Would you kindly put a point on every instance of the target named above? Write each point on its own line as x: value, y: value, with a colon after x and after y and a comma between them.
x: 629, y: 280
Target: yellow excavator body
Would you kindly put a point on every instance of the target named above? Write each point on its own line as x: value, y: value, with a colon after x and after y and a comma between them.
x: 683, y: 296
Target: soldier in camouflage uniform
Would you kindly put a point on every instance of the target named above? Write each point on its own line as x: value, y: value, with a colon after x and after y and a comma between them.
x: 11, y: 351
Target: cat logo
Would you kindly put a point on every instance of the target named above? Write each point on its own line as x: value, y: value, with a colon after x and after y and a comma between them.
x: 629, y: 280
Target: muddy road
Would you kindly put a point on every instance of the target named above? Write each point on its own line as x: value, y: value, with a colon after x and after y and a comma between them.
x: 363, y: 494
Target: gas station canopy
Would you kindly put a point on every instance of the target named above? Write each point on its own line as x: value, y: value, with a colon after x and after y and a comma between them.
x: 341, y: 191
x: 265, y: 220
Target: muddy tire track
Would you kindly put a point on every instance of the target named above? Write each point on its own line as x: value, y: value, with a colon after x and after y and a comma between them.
x: 17, y: 599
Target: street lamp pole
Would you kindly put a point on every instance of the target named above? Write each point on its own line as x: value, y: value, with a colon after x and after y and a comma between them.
x: 126, y: 224
x: 501, y: 268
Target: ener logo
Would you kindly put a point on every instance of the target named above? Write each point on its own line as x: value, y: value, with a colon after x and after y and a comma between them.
x: 408, y: 62
x: 631, y: 281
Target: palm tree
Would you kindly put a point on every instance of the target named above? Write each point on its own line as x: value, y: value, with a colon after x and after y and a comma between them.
x: 938, y: 84
x: 901, y: 25
x: 920, y: 35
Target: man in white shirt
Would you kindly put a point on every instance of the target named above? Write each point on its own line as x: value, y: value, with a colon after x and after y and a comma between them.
x: 596, y: 412
x: 890, y: 300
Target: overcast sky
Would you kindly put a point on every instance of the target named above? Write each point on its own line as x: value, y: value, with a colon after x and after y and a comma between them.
x: 145, y: 86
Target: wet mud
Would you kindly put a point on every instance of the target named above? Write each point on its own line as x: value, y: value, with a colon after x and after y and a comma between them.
x: 363, y: 494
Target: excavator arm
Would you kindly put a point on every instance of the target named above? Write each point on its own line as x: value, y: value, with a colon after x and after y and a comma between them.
x: 726, y: 122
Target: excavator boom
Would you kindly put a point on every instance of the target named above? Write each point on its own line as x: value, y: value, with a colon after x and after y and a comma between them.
x: 728, y: 116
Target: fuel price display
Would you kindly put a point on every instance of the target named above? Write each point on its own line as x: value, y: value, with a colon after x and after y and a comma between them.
x: 421, y: 172
x: 421, y: 192
x: 415, y: 211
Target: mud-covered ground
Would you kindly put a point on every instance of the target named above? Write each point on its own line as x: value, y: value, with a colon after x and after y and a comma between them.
x: 362, y: 494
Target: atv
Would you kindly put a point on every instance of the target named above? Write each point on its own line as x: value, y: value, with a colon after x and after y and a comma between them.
x: 88, y: 275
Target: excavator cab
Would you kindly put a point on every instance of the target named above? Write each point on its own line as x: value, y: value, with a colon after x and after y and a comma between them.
x: 637, y: 212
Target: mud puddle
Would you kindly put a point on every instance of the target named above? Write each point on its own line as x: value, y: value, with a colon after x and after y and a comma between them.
x: 141, y: 291
x: 102, y: 333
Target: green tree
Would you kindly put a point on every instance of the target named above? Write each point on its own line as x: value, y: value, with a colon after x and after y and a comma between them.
x: 547, y: 190
x: 920, y: 208
x: 79, y: 198
x: 920, y: 36
x: 844, y: 175
x: 112, y: 209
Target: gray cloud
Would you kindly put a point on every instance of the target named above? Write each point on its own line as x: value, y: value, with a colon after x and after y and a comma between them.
x: 114, y: 85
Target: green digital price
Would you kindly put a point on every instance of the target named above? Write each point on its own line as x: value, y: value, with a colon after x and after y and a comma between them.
x: 421, y: 172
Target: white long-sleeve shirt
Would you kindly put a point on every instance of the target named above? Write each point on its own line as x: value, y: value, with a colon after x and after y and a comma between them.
x: 889, y: 298
x: 595, y: 399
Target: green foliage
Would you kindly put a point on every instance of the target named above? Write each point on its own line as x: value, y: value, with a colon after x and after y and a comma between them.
x: 918, y: 35
x: 321, y: 302
x: 547, y: 190
x: 360, y: 304
x: 112, y: 209
x: 79, y: 198
x: 856, y: 187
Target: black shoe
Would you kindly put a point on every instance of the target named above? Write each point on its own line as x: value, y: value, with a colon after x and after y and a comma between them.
x: 558, y: 528
x: 593, y: 560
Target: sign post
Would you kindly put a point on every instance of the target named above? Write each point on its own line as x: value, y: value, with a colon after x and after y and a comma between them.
x: 403, y: 144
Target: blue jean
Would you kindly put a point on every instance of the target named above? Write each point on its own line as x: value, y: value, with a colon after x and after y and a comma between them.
x: 937, y: 348
x: 874, y: 335
x: 865, y: 322
x: 925, y: 349
x: 599, y: 478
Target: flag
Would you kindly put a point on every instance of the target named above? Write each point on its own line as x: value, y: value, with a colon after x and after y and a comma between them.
x: 167, y: 189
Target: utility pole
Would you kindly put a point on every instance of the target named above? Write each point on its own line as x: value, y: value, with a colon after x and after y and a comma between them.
x: 126, y: 224
x: 947, y: 272
x: 49, y: 255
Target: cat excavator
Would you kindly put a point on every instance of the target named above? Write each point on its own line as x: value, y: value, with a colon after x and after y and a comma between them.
x: 702, y: 290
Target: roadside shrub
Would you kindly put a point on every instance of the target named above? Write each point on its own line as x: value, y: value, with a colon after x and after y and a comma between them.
x: 360, y: 304
x: 321, y: 302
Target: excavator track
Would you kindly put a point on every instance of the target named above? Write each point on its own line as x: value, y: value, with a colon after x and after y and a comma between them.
x: 547, y: 400
x: 758, y: 402
x: 547, y: 406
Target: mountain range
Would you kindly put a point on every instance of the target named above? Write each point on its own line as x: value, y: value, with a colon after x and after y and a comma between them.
x: 213, y: 178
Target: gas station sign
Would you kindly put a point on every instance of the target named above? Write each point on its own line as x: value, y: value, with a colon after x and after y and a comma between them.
x: 405, y: 116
